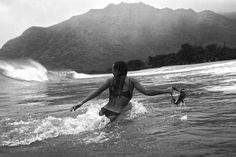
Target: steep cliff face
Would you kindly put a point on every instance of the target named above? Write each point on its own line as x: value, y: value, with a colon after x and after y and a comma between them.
x: 93, y: 41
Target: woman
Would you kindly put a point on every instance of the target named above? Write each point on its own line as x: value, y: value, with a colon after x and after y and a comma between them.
x: 121, y: 91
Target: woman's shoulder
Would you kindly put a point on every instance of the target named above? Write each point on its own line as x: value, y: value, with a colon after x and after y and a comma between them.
x: 132, y: 80
x: 109, y: 80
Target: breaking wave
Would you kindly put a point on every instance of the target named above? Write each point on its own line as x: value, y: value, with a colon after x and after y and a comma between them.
x: 24, y: 70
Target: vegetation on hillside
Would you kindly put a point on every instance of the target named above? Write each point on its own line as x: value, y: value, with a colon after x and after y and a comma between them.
x: 188, y: 54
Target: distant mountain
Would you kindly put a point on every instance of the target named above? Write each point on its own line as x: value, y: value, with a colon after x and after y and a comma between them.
x: 93, y: 41
x: 230, y: 15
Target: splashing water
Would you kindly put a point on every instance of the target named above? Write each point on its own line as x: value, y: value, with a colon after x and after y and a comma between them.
x: 27, y: 132
x: 26, y: 70
x: 137, y: 110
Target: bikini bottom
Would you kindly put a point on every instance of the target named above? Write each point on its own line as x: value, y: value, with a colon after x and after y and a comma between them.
x: 108, y: 113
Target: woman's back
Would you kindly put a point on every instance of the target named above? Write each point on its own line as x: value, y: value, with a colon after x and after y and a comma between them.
x: 119, y: 98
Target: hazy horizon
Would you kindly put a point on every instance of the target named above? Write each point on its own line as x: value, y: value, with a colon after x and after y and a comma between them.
x: 19, y: 15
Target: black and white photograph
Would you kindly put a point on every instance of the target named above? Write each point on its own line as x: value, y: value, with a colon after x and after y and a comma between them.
x: 117, y: 78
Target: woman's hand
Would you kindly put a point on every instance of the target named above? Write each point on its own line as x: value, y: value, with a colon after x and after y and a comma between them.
x: 76, y: 106
x: 169, y: 90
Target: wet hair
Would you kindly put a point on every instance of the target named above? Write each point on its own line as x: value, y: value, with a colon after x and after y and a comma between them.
x: 119, y: 80
x: 121, y: 66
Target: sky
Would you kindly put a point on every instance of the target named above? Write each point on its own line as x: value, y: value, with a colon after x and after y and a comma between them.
x: 18, y: 15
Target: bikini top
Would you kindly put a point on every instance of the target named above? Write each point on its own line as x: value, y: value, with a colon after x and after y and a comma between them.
x: 128, y: 94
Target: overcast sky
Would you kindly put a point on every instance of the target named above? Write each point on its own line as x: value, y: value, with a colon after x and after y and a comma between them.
x: 18, y: 15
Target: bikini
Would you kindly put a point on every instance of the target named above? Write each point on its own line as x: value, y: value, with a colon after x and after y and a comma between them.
x: 126, y: 94
x: 113, y: 94
x: 108, y: 113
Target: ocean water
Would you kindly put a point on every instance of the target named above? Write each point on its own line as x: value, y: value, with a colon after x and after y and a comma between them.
x: 35, y: 117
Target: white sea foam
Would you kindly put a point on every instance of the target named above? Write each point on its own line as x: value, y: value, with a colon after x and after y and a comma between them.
x: 97, y: 137
x: 26, y: 132
x: 184, y: 118
x: 230, y: 80
x: 217, y: 68
x: 225, y: 89
x: 137, y: 110
x: 220, y: 70
x: 49, y: 127
x: 70, y: 74
x: 82, y: 75
x: 22, y: 123
x: 181, y: 70
x: 26, y: 70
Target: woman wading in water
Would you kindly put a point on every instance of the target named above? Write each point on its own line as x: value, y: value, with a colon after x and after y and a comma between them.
x: 121, y: 91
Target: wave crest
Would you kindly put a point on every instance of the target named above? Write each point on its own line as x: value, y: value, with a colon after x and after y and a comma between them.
x: 23, y: 69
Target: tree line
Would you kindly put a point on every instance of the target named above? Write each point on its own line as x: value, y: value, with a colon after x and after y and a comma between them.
x: 188, y: 54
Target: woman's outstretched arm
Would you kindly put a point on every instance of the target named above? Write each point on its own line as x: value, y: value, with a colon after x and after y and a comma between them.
x: 92, y: 95
x: 148, y: 92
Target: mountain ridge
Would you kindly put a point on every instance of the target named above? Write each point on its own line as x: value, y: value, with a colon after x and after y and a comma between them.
x: 92, y: 41
x: 230, y: 15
